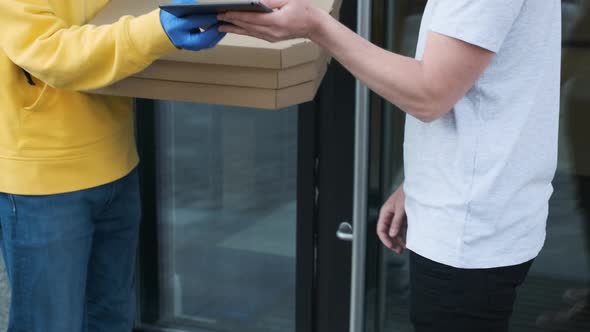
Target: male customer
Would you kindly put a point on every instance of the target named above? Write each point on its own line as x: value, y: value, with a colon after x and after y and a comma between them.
x: 482, y: 98
x: 69, y: 197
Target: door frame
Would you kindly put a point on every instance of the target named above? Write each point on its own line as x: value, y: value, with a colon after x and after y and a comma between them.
x: 336, y: 173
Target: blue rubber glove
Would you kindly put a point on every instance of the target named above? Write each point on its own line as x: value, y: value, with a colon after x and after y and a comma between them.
x: 184, y: 32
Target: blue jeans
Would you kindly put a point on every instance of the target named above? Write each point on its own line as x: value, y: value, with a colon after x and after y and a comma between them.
x: 70, y: 258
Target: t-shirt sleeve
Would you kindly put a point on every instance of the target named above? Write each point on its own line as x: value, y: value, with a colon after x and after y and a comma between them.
x: 484, y: 23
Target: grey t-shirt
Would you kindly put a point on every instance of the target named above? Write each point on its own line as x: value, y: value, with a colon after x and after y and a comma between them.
x: 478, y: 180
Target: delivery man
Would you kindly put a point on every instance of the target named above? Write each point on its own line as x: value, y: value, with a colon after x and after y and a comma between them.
x: 482, y: 99
x: 69, y: 196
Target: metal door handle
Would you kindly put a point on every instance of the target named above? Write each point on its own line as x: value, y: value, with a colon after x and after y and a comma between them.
x: 361, y: 183
x: 345, y: 232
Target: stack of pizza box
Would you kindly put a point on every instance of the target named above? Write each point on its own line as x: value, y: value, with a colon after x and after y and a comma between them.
x: 240, y: 71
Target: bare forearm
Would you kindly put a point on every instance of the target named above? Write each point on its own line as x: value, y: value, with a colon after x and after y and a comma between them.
x: 401, y: 80
x: 426, y: 89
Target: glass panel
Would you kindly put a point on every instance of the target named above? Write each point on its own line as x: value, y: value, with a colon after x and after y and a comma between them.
x: 402, y: 28
x: 556, y: 295
x: 227, y: 217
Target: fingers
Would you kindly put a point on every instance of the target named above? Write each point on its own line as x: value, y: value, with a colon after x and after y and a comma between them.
x: 230, y: 28
x: 220, y: 36
x: 399, y: 226
x: 398, y: 246
x: 385, y: 219
x: 209, y: 37
x: 398, y: 222
x: 189, y: 23
x: 388, y: 242
x: 261, y: 32
x: 396, y: 243
x: 261, y: 19
x: 394, y: 228
x: 392, y: 225
x: 274, y: 4
x: 383, y: 225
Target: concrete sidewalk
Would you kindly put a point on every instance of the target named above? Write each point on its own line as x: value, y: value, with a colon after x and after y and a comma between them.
x: 4, y: 297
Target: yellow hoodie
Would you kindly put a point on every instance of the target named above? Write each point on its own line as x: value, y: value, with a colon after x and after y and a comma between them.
x: 54, y: 137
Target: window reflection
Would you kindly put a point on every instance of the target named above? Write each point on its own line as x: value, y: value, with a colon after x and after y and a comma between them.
x: 566, y: 257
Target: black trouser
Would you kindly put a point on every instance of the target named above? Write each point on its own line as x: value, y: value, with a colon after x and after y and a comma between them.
x: 448, y: 299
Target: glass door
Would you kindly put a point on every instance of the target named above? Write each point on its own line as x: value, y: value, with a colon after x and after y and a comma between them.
x: 224, y: 247
x: 556, y: 295
x: 242, y: 207
x: 396, y: 26
x: 379, y: 280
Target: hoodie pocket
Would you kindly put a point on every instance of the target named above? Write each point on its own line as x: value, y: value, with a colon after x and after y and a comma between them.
x: 39, y: 96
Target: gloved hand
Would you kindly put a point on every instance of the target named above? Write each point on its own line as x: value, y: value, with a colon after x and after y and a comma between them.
x: 185, y: 32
